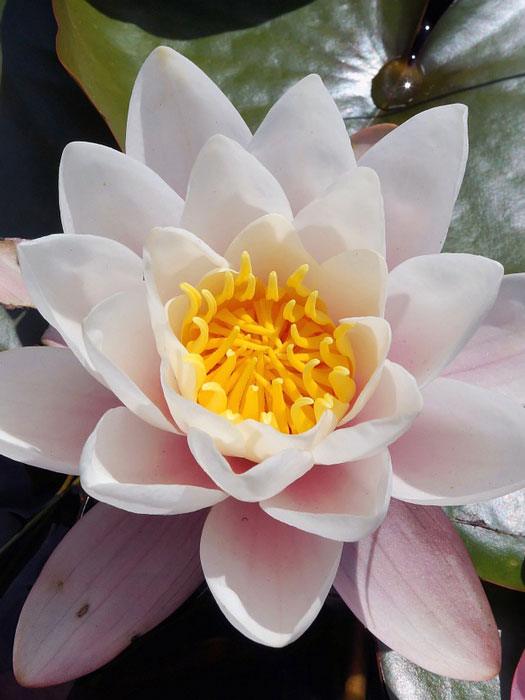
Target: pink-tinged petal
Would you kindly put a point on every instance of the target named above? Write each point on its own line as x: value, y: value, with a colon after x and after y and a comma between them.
x: 364, y: 139
x: 435, y: 303
x: 13, y: 292
x: 114, y: 576
x: 172, y: 256
x: 131, y: 465
x: 345, y: 502
x: 245, y: 480
x: 228, y: 189
x: 387, y: 415
x: 466, y: 445
x: 518, y: 682
x: 67, y: 275
x: 413, y: 585
x: 353, y: 283
x: 106, y: 193
x: 303, y: 141
x: 121, y: 347
x: 348, y: 215
x: 494, y: 357
x: 174, y: 109
x: 49, y: 406
x: 420, y: 165
x: 52, y: 338
x: 270, y: 580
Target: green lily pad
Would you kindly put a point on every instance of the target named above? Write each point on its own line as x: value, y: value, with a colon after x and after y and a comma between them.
x: 8, y: 335
x: 405, y: 681
x: 494, y: 534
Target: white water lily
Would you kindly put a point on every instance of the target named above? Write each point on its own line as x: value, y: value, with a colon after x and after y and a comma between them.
x: 242, y: 335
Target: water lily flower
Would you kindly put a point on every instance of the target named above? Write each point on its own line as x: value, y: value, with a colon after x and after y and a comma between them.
x: 264, y: 344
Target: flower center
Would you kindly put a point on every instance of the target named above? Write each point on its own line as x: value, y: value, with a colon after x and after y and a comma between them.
x: 266, y: 352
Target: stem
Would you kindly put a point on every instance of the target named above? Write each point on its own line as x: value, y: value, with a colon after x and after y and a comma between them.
x: 355, y: 686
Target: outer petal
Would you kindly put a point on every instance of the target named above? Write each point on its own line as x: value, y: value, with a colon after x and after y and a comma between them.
x: 413, y: 585
x: 467, y: 445
x: 518, y: 682
x: 434, y: 305
x: 349, y: 215
x: 242, y: 479
x: 421, y: 166
x: 494, y: 357
x: 128, y: 464
x: 364, y: 139
x: 68, y: 275
x: 387, y: 415
x: 106, y: 193
x: 303, y: 141
x: 114, y: 576
x: 49, y: 406
x: 121, y: 346
x: 12, y: 288
x: 174, y: 109
x: 228, y: 189
x: 344, y: 503
x: 270, y: 580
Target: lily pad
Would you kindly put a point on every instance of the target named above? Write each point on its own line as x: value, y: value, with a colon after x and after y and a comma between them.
x: 494, y: 534
x: 8, y: 335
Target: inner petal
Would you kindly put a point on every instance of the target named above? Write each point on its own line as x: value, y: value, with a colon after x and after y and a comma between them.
x: 264, y: 349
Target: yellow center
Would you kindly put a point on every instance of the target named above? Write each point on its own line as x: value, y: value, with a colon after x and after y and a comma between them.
x: 265, y: 352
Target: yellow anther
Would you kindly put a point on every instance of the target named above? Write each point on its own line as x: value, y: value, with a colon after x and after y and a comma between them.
x: 343, y: 343
x: 249, y: 290
x: 199, y: 344
x: 293, y: 311
x: 224, y: 372
x: 342, y: 383
x: 310, y: 384
x: 268, y: 418
x: 216, y: 356
x: 332, y: 359
x: 197, y: 363
x: 213, y: 397
x: 311, y: 310
x: 279, y: 405
x: 245, y: 268
x: 272, y: 287
x: 228, y: 289
x: 295, y: 281
x: 231, y: 416
x: 322, y: 404
x: 239, y: 388
x: 293, y: 359
x: 299, y: 418
x: 194, y: 301
x: 250, y: 408
x: 210, y: 303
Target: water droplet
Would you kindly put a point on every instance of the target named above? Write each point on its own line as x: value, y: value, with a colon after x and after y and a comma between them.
x: 396, y: 83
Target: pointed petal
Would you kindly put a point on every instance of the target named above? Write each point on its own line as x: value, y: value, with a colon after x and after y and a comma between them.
x: 49, y: 406
x: 387, y: 415
x: 242, y: 479
x: 420, y: 165
x: 269, y: 580
x: 303, y: 141
x: 518, y: 682
x: 466, y: 445
x: 114, y: 576
x: 494, y: 357
x: 106, y: 193
x: 174, y: 109
x: 435, y: 303
x: 131, y: 465
x: 364, y: 139
x: 349, y: 215
x: 121, y: 346
x: 413, y: 585
x: 228, y: 189
x: 67, y: 275
x: 345, y: 502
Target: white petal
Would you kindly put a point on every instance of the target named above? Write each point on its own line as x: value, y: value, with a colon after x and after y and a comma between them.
x: 228, y: 189
x: 174, y: 109
x: 67, y: 275
x: 244, y: 480
x: 131, y: 465
x: 173, y: 256
x: 388, y: 414
x: 467, y: 445
x: 420, y: 165
x: 106, y: 193
x: 345, y: 502
x: 269, y: 580
x: 494, y: 357
x: 349, y: 215
x: 303, y: 141
x: 121, y: 346
x: 49, y: 406
x: 434, y: 305
x: 353, y: 283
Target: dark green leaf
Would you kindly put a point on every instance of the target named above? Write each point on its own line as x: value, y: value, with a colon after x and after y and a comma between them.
x: 494, y: 533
